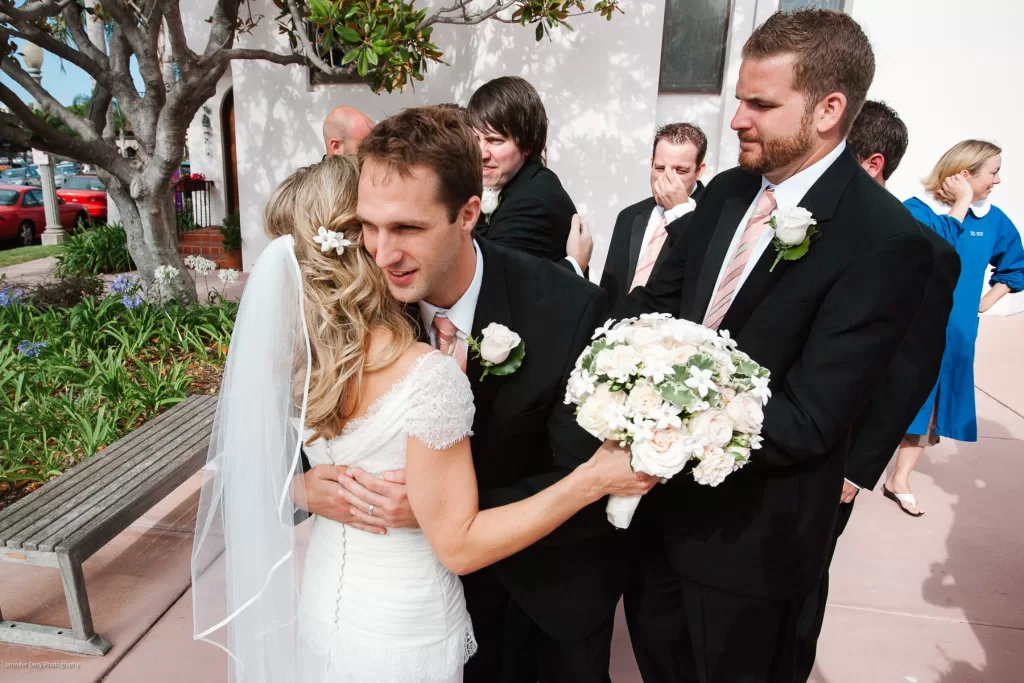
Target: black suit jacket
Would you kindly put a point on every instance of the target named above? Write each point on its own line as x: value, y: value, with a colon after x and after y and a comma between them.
x: 911, y: 376
x: 628, y: 239
x: 525, y: 438
x: 827, y: 327
x: 534, y: 214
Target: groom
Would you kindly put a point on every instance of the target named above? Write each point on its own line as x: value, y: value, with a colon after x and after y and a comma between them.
x: 719, y: 574
x: 552, y: 605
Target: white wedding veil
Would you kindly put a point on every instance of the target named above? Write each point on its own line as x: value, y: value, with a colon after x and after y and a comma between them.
x: 245, y: 564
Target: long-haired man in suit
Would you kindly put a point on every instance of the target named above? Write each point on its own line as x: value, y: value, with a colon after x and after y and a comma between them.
x: 644, y: 231
x: 746, y: 554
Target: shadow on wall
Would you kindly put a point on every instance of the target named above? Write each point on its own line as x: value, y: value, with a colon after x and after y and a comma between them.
x: 599, y: 84
x: 979, y: 576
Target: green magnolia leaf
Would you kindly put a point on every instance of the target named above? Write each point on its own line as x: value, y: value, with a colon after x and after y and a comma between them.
x: 348, y: 34
x: 351, y: 56
x: 371, y: 55
x: 540, y: 32
x: 364, y: 63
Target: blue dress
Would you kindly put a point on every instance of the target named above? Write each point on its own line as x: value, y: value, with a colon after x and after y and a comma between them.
x: 980, y: 241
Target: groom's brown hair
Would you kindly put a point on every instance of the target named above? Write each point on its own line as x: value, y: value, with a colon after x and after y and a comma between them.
x: 436, y: 137
x: 832, y: 55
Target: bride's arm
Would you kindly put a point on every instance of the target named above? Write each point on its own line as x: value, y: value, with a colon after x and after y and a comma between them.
x: 442, y: 491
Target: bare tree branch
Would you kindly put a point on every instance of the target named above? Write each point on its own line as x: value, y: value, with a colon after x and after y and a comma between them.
x: 46, y: 41
x: 222, y: 29
x: 179, y: 43
x: 73, y: 19
x: 466, y: 19
x: 49, y: 104
x: 98, y: 105
x: 31, y: 11
x: 263, y: 55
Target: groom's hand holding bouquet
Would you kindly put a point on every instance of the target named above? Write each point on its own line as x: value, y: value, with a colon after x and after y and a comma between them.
x: 671, y: 391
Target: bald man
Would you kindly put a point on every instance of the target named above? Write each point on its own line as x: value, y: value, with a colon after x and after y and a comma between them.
x: 344, y: 128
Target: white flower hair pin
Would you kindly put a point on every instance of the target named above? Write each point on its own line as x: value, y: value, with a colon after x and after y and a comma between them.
x: 328, y: 239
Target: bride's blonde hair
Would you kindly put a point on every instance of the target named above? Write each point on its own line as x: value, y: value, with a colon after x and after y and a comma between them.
x: 346, y: 295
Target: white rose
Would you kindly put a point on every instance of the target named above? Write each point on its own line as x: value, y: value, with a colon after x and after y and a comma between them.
x: 714, y: 467
x: 713, y: 425
x: 489, y: 200
x: 643, y: 399
x: 681, y: 354
x: 689, y: 333
x: 728, y: 394
x: 745, y: 411
x: 792, y: 224
x: 646, y: 339
x: 662, y: 455
x: 618, y: 362
x: 595, y: 413
x: 498, y: 341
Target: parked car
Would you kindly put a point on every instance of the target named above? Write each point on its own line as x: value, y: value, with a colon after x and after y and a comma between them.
x: 22, y: 216
x: 89, y: 191
x: 62, y: 172
x: 21, y: 176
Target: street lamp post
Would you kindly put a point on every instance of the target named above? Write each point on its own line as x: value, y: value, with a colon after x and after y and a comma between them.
x: 54, y: 234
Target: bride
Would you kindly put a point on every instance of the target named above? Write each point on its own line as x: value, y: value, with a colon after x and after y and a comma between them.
x: 323, y: 357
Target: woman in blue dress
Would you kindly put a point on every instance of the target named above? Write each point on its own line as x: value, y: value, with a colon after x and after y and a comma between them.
x: 960, y: 186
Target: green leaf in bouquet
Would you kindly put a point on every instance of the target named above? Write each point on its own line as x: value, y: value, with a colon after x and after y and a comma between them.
x: 702, y: 361
x: 678, y: 394
x: 745, y: 366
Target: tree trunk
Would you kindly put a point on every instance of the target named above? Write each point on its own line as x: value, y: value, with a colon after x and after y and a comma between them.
x: 98, y: 35
x: 152, y: 237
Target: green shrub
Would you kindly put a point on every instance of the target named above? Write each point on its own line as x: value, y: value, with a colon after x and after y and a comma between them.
x: 74, y: 380
x: 101, y: 250
x: 231, y: 229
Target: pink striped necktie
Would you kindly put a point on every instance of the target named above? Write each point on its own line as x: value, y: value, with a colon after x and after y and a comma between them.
x: 650, y: 256
x: 447, y: 342
x: 756, y: 226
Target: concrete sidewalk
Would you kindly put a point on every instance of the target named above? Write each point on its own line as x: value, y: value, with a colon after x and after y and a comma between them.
x: 937, y: 599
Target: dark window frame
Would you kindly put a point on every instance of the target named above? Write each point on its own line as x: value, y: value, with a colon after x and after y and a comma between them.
x: 707, y: 88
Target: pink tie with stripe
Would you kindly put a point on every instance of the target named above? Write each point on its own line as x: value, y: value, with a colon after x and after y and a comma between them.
x: 650, y: 256
x: 756, y: 226
x: 447, y: 342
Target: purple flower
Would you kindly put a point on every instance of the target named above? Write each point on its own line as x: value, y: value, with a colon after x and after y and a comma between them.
x: 9, y: 297
x: 30, y: 349
x: 132, y: 302
x: 124, y: 284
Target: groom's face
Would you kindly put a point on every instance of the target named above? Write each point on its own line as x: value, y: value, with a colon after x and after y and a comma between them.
x: 407, y: 230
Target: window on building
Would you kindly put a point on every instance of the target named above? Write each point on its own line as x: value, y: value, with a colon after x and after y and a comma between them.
x: 693, y: 46
x: 791, y: 5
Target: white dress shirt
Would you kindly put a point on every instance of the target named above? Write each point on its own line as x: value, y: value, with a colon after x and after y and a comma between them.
x: 788, y: 193
x: 464, y: 310
x: 676, y: 212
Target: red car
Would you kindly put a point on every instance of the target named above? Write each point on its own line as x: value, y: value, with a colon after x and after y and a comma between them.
x: 22, y: 215
x: 89, y: 191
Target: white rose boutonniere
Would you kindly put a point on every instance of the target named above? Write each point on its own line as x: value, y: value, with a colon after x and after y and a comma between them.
x: 793, y: 227
x: 489, y: 201
x: 500, y: 350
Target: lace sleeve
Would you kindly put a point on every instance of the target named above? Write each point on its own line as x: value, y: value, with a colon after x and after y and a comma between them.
x: 442, y: 403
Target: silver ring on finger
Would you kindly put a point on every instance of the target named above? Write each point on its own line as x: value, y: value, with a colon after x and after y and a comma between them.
x: 370, y: 510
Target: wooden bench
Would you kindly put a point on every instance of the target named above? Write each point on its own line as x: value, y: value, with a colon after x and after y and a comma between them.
x: 67, y: 520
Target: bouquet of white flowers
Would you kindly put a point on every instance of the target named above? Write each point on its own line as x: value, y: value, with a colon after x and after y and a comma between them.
x: 671, y: 391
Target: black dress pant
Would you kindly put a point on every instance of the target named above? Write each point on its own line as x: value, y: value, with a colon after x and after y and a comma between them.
x: 812, y: 613
x: 684, y: 632
x: 513, y: 649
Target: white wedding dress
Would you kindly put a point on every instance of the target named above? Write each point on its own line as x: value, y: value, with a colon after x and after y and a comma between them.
x: 382, y: 608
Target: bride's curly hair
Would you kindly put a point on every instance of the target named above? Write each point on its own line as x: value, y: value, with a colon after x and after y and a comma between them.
x: 346, y: 295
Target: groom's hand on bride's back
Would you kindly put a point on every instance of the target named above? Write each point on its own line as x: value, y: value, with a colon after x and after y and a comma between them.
x: 325, y: 497
x: 387, y: 495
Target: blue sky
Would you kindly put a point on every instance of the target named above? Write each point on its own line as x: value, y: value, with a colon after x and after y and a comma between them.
x: 64, y: 80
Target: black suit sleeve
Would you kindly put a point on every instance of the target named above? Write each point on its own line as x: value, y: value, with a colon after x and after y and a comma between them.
x: 664, y: 290
x: 571, y: 446
x: 529, y: 223
x: 613, y: 278
x: 855, y: 335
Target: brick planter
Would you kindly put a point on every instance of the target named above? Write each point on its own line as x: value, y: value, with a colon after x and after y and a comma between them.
x: 206, y: 242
